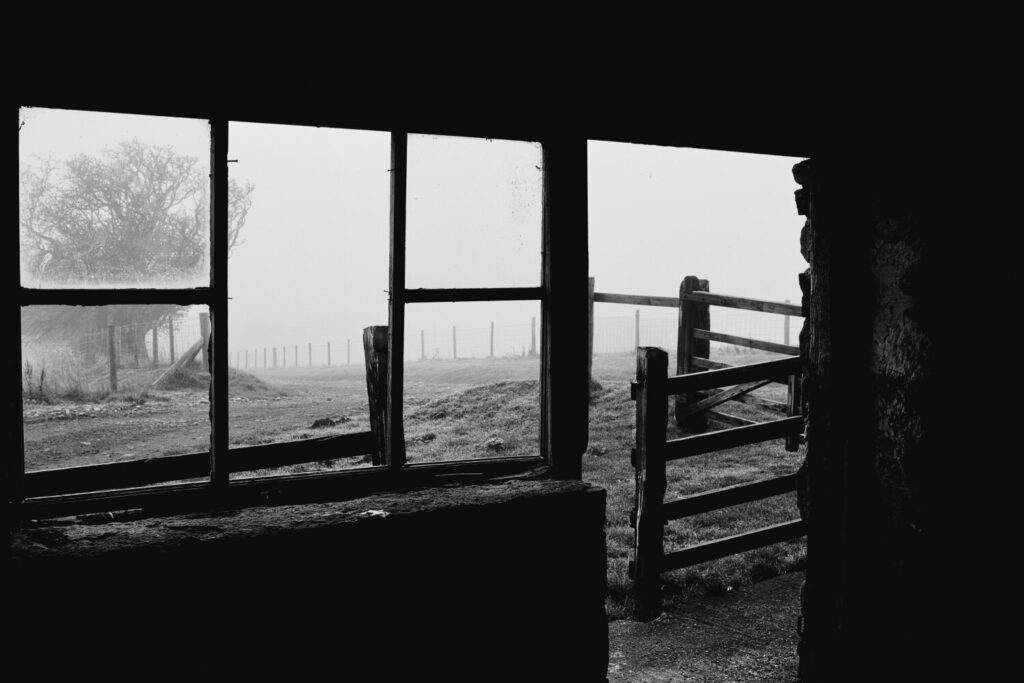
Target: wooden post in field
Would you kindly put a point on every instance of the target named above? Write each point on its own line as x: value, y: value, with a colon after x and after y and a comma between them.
x: 455, y: 350
x: 156, y: 347
x: 785, y: 336
x: 636, y: 330
x: 328, y: 354
x: 649, y: 461
x: 423, y: 347
x: 204, y: 329
x: 492, y: 340
x: 533, y: 336
x: 112, y: 356
x: 275, y: 358
x: 170, y: 338
x: 590, y: 331
x: 375, y: 350
x: 309, y: 362
x: 247, y: 359
x: 692, y: 316
x: 296, y: 364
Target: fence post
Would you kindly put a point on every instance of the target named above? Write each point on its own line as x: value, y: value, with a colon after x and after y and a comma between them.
x: 785, y: 336
x: 296, y: 364
x: 455, y: 350
x: 423, y: 347
x: 204, y: 330
x: 309, y: 362
x: 375, y: 350
x: 156, y: 347
x: 533, y: 336
x: 492, y: 340
x: 275, y: 358
x: 692, y: 315
x: 649, y: 461
x: 590, y: 332
x: 247, y: 359
x: 170, y: 337
x: 112, y: 357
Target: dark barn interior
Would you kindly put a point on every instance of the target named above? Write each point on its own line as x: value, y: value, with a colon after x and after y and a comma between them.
x: 354, y: 590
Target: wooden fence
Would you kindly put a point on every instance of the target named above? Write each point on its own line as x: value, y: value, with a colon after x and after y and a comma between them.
x: 695, y: 403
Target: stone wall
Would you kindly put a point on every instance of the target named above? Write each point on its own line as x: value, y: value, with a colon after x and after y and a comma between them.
x: 489, y: 582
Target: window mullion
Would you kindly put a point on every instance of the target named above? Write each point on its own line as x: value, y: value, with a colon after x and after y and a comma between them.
x: 394, y: 446
x: 219, y: 303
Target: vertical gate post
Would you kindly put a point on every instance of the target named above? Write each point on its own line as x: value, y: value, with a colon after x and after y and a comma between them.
x: 692, y: 315
x: 649, y: 461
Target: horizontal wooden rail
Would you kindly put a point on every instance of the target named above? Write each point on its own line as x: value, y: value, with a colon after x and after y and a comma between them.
x: 730, y: 438
x: 720, y: 397
x: 730, y: 420
x: 764, y: 403
x: 728, y: 496
x: 421, y: 296
x: 192, y: 465
x: 711, y: 364
x: 636, y: 300
x: 730, y: 545
x: 279, y: 490
x: 746, y: 341
x: 778, y: 369
x: 715, y: 299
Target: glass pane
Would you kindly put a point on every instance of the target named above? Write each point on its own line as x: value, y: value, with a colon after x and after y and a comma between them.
x: 115, y: 200
x: 474, y: 213
x: 309, y: 274
x: 472, y: 380
x: 108, y: 384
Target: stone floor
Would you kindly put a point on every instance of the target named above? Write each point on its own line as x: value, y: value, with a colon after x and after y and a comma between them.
x: 747, y: 635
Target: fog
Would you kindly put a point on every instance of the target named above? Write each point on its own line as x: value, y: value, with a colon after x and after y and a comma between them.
x: 312, y: 266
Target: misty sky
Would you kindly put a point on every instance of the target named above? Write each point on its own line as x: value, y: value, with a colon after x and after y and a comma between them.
x: 313, y: 264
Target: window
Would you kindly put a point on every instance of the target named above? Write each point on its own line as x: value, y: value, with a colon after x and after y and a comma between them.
x: 502, y: 259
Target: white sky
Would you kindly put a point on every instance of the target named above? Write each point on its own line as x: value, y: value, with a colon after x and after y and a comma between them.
x: 313, y: 265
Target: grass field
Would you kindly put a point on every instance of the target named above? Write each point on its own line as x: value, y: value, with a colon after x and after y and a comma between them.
x: 453, y: 410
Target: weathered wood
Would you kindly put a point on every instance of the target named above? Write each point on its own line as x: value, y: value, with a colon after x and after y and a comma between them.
x: 648, y: 538
x: 147, y: 471
x: 184, y: 360
x: 112, y: 357
x: 394, y: 439
x: 779, y: 369
x: 728, y: 301
x: 730, y: 438
x: 730, y: 545
x: 198, y: 296
x: 375, y: 350
x: 636, y: 300
x: 764, y: 403
x: 590, y: 331
x: 722, y: 396
x: 793, y: 408
x: 728, y: 496
x: 170, y: 337
x: 691, y: 316
x: 217, y: 334
x: 710, y: 364
x: 280, y: 489
x: 204, y: 332
x: 728, y: 420
x: 745, y: 341
x: 421, y: 296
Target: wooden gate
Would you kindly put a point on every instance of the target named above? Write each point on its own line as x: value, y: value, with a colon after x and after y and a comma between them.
x: 653, y: 450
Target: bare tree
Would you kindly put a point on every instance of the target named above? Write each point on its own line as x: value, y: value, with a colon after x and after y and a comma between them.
x: 135, y: 215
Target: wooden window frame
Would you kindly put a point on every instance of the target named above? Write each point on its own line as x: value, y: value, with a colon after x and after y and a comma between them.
x: 137, y: 484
